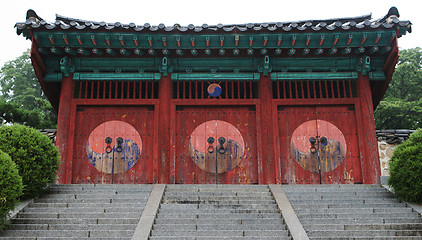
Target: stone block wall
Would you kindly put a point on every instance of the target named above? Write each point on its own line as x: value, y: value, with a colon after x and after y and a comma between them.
x: 388, y: 140
x: 385, y: 153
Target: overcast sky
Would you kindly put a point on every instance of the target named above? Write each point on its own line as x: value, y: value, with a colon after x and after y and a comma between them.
x: 198, y: 12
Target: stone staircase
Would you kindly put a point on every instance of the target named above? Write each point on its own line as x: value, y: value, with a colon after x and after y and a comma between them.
x: 352, y: 212
x: 215, y: 212
x: 80, y: 212
x: 218, y: 212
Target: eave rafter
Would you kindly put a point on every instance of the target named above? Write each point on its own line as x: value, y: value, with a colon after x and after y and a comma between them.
x: 125, y: 44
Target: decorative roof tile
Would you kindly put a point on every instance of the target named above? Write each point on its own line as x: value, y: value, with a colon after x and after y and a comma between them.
x: 394, y: 136
x: 337, y: 24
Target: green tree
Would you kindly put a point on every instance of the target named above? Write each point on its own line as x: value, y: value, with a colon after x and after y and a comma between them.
x: 22, y: 99
x: 406, y: 169
x: 402, y: 104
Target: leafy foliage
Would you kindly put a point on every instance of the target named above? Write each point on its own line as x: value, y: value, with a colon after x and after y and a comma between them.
x: 402, y: 104
x: 35, y: 155
x: 399, y: 114
x: 22, y: 99
x: 10, y: 186
x: 11, y: 112
x: 406, y: 169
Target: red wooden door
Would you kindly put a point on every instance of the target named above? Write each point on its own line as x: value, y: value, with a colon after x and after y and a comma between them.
x: 216, y: 145
x: 318, y: 144
x: 113, y: 145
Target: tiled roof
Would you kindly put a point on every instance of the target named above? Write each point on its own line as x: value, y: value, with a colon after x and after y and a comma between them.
x: 339, y: 24
x: 50, y: 133
x: 394, y: 136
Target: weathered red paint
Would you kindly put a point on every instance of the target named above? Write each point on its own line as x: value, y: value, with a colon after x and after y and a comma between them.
x: 63, y: 135
x: 367, y: 137
x: 216, y: 146
x: 162, y: 159
x: 195, y: 124
x: 93, y: 124
x: 298, y: 164
x: 114, y: 147
x: 266, y: 159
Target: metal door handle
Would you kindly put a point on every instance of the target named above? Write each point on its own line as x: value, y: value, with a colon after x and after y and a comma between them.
x: 221, y: 149
x: 108, y: 141
x: 119, y: 147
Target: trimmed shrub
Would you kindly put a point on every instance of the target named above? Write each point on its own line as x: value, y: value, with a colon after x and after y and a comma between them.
x: 36, y: 157
x: 10, y: 187
x: 406, y: 169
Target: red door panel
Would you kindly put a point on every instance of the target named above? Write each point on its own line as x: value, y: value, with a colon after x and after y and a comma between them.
x: 318, y: 144
x: 216, y: 145
x: 113, y: 145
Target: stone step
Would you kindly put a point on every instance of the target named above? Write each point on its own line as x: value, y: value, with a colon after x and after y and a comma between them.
x: 104, y: 200
x: 214, y: 186
x: 134, y: 187
x: 392, y: 210
x: 211, y: 190
x: 81, y: 209
x: 217, y: 226
x: 45, y: 233
x: 65, y: 238
x: 223, y: 233
x: 101, y: 192
x: 331, y: 186
x: 368, y: 238
x: 215, y: 199
x: 219, y: 215
x: 360, y: 226
x: 400, y: 226
x: 197, y: 221
x: 68, y: 233
x: 217, y: 206
x: 85, y: 204
x: 338, y: 198
x: 354, y: 215
x: 79, y: 215
x: 75, y: 221
x: 349, y: 205
x: 346, y: 194
x: 365, y: 233
x: 295, y: 190
x: 222, y: 202
x: 218, y: 238
x: 367, y: 220
x: 343, y: 201
x: 219, y: 193
x: 95, y: 196
x: 218, y: 211
x: 72, y: 227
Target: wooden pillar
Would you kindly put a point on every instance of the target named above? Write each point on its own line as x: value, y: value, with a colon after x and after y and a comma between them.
x: 162, y: 163
x: 63, y: 133
x: 266, y: 172
x: 367, y: 136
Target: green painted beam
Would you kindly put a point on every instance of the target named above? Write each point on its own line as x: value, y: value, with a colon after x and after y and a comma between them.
x: 116, y: 76
x: 215, y: 76
x: 230, y: 40
x: 213, y: 65
x: 377, y: 76
x: 284, y: 76
x: 53, y: 77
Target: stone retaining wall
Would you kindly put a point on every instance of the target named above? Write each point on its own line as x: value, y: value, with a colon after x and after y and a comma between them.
x: 388, y: 140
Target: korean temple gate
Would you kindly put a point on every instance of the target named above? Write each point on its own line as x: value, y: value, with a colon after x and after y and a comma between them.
x: 282, y: 102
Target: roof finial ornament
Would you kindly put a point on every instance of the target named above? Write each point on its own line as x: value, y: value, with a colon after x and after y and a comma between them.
x: 392, y: 13
x: 31, y: 15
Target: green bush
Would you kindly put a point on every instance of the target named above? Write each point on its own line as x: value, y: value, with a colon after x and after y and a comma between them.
x: 406, y: 169
x: 35, y: 155
x: 10, y: 186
